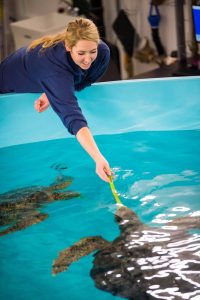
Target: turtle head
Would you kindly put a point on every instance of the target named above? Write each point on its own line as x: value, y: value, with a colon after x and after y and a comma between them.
x: 125, y: 217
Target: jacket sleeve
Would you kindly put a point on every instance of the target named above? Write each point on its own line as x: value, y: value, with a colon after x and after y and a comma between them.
x: 60, y: 92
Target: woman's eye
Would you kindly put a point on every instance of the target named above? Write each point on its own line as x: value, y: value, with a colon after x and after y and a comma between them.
x: 82, y: 53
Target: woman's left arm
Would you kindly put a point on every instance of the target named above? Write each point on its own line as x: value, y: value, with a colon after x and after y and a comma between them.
x: 87, y: 141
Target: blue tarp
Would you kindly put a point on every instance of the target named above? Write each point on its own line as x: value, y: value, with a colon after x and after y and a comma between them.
x: 111, y: 107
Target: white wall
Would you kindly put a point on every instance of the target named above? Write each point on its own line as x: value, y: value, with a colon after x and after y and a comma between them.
x: 30, y: 8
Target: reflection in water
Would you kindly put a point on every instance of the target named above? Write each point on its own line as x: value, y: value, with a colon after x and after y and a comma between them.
x: 170, y: 184
x: 143, y: 262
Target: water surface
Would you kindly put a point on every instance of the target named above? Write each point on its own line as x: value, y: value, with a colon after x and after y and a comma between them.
x: 157, y: 176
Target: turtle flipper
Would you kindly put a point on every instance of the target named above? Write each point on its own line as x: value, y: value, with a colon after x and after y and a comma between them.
x: 64, y: 195
x: 82, y: 248
x: 24, y: 223
x: 61, y: 183
x: 187, y: 222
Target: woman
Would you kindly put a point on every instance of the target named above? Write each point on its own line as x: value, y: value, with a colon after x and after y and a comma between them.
x: 58, y: 66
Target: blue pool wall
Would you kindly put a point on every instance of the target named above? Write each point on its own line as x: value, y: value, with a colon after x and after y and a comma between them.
x: 110, y: 108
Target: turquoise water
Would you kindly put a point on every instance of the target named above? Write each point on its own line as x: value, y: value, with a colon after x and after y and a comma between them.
x: 157, y: 176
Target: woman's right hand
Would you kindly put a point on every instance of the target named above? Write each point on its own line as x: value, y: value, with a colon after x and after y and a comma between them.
x: 103, y: 169
x: 42, y: 103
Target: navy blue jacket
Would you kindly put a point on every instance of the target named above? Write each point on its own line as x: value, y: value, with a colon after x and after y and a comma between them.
x: 54, y: 73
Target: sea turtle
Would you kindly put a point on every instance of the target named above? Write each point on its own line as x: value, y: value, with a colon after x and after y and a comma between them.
x: 21, y: 208
x: 143, y: 262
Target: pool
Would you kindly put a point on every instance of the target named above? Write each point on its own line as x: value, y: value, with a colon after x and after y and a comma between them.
x: 149, y: 132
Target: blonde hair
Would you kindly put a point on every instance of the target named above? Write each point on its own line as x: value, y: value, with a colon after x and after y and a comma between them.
x: 80, y: 29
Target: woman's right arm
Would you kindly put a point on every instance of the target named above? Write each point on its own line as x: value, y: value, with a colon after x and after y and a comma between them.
x: 72, y: 117
x: 87, y: 141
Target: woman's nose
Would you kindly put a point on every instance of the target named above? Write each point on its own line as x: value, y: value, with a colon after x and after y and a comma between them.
x: 88, y: 58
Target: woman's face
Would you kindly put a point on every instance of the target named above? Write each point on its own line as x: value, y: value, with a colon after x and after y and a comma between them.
x: 83, y: 53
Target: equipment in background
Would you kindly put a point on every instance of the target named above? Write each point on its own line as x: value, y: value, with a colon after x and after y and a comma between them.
x: 157, y: 2
x: 128, y: 37
x: 154, y: 20
x: 196, y: 21
x: 187, y: 67
x: 196, y: 35
x: 145, y: 53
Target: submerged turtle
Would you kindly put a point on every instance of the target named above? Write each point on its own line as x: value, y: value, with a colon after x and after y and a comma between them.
x: 143, y: 262
x: 21, y: 208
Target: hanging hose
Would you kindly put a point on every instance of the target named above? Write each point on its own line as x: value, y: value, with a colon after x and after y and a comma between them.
x: 154, y: 20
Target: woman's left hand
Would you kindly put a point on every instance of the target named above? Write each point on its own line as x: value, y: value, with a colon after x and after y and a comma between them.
x: 42, y: 103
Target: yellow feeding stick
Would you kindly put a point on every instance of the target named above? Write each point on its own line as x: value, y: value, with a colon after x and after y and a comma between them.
x: 114, y: 190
